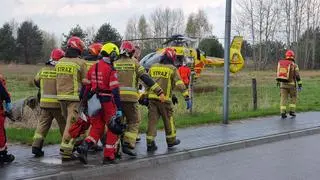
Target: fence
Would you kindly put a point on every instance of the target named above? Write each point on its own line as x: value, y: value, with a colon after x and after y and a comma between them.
x: 251, y: 91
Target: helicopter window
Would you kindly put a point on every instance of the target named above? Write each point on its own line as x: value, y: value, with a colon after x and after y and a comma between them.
x: 203, y: 53
x: 178, y: 43
x: 198, y: 54
x: 150, y: 59
x: 179, y: 61
x: 144, y: 59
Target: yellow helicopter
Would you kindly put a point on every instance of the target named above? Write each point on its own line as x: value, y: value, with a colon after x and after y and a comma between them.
x: 194, y: 57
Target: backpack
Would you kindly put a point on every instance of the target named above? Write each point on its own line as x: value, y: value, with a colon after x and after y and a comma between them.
x: 284, y: 70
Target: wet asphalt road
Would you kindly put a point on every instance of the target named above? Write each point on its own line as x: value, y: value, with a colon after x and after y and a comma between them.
x: 295, y: 159
x: 26, y: 166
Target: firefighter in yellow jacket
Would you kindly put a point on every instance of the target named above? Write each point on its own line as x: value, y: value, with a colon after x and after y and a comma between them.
x: 49, y: 104
x: 167, y: 76
x: 129, y: 72
x: 289, y: 88
x: 71, y: 72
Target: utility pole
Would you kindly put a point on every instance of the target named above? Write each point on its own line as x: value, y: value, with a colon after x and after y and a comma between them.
x: 227, y: 35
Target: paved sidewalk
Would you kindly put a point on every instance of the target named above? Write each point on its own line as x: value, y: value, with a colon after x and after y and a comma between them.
x: 196, y: 139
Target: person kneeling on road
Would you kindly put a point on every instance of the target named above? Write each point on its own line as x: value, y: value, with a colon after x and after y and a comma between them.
x: 167, y: 76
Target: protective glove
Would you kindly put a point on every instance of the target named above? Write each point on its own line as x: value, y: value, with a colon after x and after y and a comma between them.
x: 8, y: 112
x: 119, y: 113
x: 174, y: 99
x: 9, y: 115
x: 8, y: 107
x: 188, y: 102
x: 145, y: 102
x: 162, y: 98
x: 299, y: 87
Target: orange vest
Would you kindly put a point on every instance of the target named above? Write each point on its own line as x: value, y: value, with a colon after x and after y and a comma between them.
x: 284, y: 70
x: 185, y: 72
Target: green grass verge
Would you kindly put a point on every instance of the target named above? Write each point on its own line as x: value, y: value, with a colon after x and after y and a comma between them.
x: 207, y: 106
x: 25, y: 136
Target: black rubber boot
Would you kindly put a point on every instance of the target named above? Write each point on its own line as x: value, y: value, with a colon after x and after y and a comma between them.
x: 176, y: 142
x: 5, y: 157
x: 118, y: 154
x: 138, y: 139
x: 293, y: 114
x: 107, y: 160
x: 96, y: 148
x: 37, y: 152
x: 83, y: 152
x: 284, y: 115
x: 128, y: 150
x: 152, y: 147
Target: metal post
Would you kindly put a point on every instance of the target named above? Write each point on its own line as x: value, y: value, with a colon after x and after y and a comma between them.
x: 254, y: 94
x: 191, y: 86
x: 226, y: 62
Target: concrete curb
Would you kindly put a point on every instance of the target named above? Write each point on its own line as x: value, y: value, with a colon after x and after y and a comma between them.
x: 155, y: 161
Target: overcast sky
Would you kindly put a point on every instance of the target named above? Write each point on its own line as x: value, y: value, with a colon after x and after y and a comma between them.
x: 58, y: 16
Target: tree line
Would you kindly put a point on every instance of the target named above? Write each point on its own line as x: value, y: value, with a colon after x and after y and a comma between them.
x: 27, y: 43
x: 165, y: 22
x: 273, y: 26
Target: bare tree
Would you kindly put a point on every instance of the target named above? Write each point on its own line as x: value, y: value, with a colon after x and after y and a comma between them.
x: 191, y: 26
x: 157, y: 25
x: 198, y: 25
x: 132, y: 28
x: 315, y: 24
x: 260, y: 19
x: 287, y: 8
x: 166, y: 22
x: 246, y: 19
x: 308, y: 32
x: 14, y: 25
x: 49, y: 42
x: 202, y: 23
x: 91, y: 32
x: 144, y: 32
x: 270, y: 22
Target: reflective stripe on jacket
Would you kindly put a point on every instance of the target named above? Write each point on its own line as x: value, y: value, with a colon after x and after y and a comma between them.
x: 129, y: 73
x: 90, y: 63
x: 294, y: 77
x: 168, y: 78
x: 70, y: 73
x: 48, y: 92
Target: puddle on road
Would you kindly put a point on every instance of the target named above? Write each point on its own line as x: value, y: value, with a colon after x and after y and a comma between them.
x: 49, y: 160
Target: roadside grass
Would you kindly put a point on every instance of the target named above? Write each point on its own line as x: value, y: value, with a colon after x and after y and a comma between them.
x: 20, y: 80
x: 207, y: 108
x: 25, y: 136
